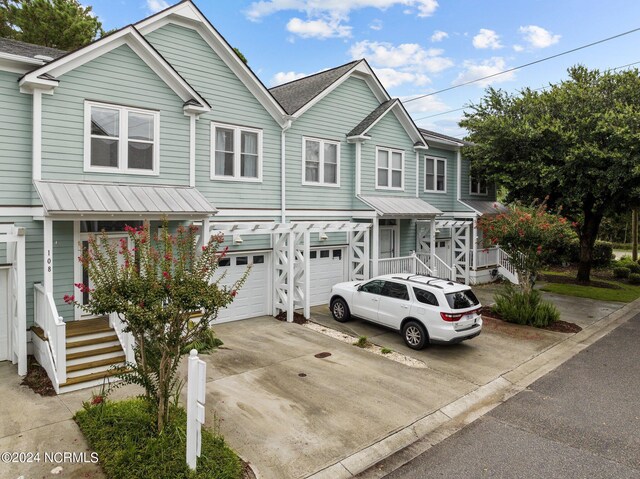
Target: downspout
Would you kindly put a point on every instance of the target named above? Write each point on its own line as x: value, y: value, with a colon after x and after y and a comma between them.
x: 283, y: 172
x: 358, y: 168
x: 37, y: 135
x: 417, y: 174
x: 459, y: 175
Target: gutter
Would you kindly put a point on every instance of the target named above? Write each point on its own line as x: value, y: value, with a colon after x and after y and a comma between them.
x: 283, y: 170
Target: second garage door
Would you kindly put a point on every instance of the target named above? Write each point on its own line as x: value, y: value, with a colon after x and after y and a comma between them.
x: 253, y: 299
x: 327, y: 269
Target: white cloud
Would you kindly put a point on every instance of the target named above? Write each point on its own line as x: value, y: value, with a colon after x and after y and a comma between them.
x: 285, y: 77
x: 487, y: 39
x: 474, y: 70
x: 263, y: 8
x: 376, y: 24
x: 391, y: 77
x: 438, y: 36
x: 409, y: 56
x: 538, y: 37
x: 322, y: 29
x: 518, y: 48
x: 156, y: 5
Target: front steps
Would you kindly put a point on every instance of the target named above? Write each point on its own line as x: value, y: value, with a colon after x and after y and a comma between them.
x: 93, y: 354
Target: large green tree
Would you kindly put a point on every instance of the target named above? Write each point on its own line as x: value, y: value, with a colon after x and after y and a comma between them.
x: 62, y: 24
x: 576, y: 143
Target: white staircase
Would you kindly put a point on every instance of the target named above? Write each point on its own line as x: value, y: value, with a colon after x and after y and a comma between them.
x: 506, y: 267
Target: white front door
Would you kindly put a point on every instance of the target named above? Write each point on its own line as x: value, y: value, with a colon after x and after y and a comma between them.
x: 443, y: 250
x: 4, y: 314
x: 387, y: 242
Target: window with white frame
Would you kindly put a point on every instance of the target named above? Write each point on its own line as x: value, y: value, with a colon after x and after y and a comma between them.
x: 121, y: 138
x: 321, y: 162
x: 236, y: 153
x: 389, y: 169
x: 435, y: 175
x: 478, y: 187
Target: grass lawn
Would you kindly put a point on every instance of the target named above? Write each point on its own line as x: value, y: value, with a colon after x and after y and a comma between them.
x: 618, y: 292
x: 122, y: 434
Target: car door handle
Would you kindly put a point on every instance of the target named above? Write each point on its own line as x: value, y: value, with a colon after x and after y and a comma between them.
x: 374, y: 299
x: 405, y: 307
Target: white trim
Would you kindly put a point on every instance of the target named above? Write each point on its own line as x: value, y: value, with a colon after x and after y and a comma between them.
x: 283, y: 171
x: 47, y: 244
x: 390, y: 169
x: 192, y: 149
x: 9, y: 211
x: 237, y: 153
x: 129, y: 36
x: 417, y: 174
x: 303, y: 155
x: 459, y: 175
x: 187, y: 15
x: 435, y: 175
x: 36, y: 136
x: 358, y: 174
x: 77, y: 265
x: 275, y: 213
x: 123, y: 140
x: 479, y: 182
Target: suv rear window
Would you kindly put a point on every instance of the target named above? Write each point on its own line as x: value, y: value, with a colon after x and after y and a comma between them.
x: 462, y: 299
x: 425, y: 297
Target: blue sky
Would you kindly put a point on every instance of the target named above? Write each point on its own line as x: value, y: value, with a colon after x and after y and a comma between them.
x: 416, y: 46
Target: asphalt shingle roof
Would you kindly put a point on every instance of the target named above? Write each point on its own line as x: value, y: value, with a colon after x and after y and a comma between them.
x: 372, y: 117
x: 445, y: 138
x: 29, y: 50
x: 294, y: 95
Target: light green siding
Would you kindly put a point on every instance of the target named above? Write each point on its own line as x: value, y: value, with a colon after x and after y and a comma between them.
x: 331, y: 118
x: 442, y: 201
x: 120, y: 77
x: 407, y: 237
x: 231, y: 103
x: 64, y: 257
x: 15, y: 142
x: 464, y: 185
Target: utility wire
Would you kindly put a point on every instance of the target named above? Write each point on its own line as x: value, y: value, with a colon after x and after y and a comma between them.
x: 525, y: 65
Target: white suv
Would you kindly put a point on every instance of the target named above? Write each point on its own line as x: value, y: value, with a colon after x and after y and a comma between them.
x: 422, y: 308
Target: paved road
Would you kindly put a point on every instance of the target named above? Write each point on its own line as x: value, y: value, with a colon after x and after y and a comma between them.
x: 580, y: 421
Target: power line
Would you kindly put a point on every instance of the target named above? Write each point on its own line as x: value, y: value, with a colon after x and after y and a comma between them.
x: 525, y: 65
x: 535, y: 89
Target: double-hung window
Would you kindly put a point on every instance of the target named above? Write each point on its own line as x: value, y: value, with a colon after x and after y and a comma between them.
x: 121, y: 139
x: 321, y: 162
x: 435, y: 175
x: 389, y: 169
x: 478, y: 187
x: 236, y: 153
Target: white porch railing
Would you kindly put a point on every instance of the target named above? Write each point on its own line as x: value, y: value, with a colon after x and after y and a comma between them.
x: 47, y: 318
x: 485, y: 257
x: 125, y: 338
x: 441, y: 269
x: 507, y: 269
x: 404, y: 264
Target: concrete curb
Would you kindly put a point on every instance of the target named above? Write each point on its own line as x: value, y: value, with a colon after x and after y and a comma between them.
x: 408, y: 442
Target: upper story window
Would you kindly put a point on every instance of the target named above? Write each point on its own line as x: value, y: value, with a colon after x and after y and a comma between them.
x: 435, y: 175
x: 389, y: 169
x: 236, y: 153
x: 121, y: 139
x: 478, y: 187
x: 321, y: 162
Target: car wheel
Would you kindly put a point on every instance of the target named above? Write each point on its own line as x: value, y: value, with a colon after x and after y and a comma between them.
x: 415, y: 335
x: 340, y: 310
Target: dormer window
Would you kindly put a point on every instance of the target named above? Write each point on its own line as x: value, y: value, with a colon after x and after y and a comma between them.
x: 121, y: 139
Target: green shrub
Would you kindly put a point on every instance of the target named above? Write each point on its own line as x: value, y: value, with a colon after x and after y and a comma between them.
x: 362, y: 342
x: 516, y: 306
x: 567, y: 250
x: 123, y: 434
x: 602, y: 253
x: 621, y: 272
x: 634, y: 278
x: 629, y: 264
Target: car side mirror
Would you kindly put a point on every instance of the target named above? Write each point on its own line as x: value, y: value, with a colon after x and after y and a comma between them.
x: 359, y: 288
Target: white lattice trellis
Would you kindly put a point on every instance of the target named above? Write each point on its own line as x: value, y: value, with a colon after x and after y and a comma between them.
x: 359, y: 255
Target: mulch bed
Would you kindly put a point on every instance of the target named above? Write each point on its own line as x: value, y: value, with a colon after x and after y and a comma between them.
x: 552, y: 278
x: 558, y: 326
x: 37, y: 379
x: 297, y: 317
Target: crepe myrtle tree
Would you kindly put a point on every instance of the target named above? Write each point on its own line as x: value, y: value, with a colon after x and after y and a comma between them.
x: 154, y: 285
x: 527, y: 235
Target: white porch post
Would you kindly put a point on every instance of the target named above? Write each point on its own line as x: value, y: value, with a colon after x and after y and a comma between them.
x: 21, y: 318
x: 375, y: 254
x: 432, y: 244
x: 366, y: 254
x: 307, y: 275
x: 205, y: 232
x: 474, y: 239
x: 291, y: 255
x: 48, y: 255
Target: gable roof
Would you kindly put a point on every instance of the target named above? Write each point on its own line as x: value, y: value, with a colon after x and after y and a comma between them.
x: 441, y: 138
x: 187, y: 14
x: 28, y: 50
x: 297, y: 93
x: 46, y: 76
x: 372, y: 118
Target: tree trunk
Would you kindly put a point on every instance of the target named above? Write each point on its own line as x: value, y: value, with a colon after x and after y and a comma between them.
x: 588, y: 235
x: 634, y: 234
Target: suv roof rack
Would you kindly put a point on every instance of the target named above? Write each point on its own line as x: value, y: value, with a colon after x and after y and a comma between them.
x: 428, y: 283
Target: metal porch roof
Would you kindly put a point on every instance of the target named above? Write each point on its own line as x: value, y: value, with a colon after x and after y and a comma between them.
x: 60, y: 197
x: 486, y: 207
x: 400, y: 206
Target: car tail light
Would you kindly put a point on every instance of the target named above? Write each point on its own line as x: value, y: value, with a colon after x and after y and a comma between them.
x: 450, y: 317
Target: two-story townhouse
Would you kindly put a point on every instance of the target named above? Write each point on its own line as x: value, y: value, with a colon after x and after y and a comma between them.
x: 313, y: 182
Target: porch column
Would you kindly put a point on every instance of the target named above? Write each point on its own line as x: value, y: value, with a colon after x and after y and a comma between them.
x: 474, y: 236
x: 205, y: 232
x: 366, y: 254
x: 48, y: 255
x: 375, y: 246
x: 432, y: 244
x: 307, y: 275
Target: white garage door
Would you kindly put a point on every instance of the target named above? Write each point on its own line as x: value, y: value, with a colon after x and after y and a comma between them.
x: 327, y: 269
x: 4, y: 314
x: 253, y: 299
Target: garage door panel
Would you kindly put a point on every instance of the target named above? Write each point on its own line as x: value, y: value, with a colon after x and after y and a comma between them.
x: 253, y: 298
x: 327, y: 269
